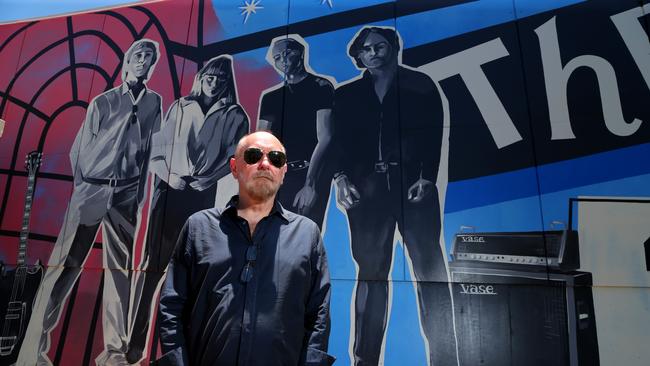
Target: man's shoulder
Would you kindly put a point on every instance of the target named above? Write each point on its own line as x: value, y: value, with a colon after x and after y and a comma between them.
x: 300, y: 220
x: 109, y: 95
x: 273, y: 92
x: 415, y: 79
x: 204, y: 217
x: 351, y: 87
x: 322, y: 82
x: 150, y: 94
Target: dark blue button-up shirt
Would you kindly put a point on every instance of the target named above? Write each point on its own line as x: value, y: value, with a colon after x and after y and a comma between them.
x: 209, y: 316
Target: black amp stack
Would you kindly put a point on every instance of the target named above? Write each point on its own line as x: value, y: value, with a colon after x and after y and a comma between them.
x: 518, y: 300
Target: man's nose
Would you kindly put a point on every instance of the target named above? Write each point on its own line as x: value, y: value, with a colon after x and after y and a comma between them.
x: 264, y: 163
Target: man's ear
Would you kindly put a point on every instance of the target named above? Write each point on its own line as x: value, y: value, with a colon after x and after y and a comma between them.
x: 233, y: 167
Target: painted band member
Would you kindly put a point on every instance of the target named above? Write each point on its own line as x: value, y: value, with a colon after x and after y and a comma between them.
x: 388, y: 133
x: 298, y: 112
x: 110, y: 159
x: 191, y: 153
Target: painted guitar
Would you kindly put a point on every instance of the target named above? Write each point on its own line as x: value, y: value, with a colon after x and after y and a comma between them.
x: 25, y: 279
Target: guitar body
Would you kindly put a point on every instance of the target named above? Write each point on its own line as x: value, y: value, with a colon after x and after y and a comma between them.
x: 21, y: 284
x: 16, y: 314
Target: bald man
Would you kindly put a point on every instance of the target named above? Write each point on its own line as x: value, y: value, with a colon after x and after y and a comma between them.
x: 248, y: 284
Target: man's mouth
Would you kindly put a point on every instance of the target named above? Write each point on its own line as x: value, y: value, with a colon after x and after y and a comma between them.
x: 265, y: 176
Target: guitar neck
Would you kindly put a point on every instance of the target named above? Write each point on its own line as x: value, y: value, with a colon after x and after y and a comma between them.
x: 24, y: 231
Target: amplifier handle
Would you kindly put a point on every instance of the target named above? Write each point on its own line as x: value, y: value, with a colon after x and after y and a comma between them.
x: 467, y: 227
x: 646, y: 246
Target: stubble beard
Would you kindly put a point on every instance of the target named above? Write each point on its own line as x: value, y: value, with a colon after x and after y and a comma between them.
x: 262, y: 189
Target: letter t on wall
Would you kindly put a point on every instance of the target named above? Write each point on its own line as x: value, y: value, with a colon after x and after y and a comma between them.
x: 467, y: 64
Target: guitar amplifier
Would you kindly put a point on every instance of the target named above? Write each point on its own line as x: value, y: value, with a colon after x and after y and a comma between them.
x: 530, y: 250
x: 512, y: 318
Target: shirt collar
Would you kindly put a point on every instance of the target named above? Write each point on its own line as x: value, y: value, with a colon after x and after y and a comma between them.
x: 215, y: 107
x: 231, y: 208
x: 134, y: 98
x: 218, y: 105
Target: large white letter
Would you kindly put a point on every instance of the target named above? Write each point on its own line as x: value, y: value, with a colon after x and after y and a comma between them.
x: 556, y: 78
x: 635, y: 38
x: 467, y: 64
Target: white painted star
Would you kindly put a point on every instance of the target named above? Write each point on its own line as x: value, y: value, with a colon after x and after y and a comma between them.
x: 329, y: 2
x: 250, y: 7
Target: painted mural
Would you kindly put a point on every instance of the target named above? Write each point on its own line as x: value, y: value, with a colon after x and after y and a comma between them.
x: 479, y: 170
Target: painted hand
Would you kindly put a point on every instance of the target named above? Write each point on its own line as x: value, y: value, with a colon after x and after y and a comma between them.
x: 304, y: 199
x: 176, y: 181
x: 419, y: 190
x: 194, y: 183
x: 347, y: 194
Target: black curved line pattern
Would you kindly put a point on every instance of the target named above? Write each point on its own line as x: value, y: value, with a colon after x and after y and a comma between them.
x: 73, y: 72
x: 100, y: 35
x: 122, y: 19
x: 15, y: 34
x: 47, y: 121
x: 49, y: 81
x: 145, y: 29
x: 21, y: 103
x: 22, y: 70
x: 199, y: 31
x: 170, y: 57
x: 48, y: 124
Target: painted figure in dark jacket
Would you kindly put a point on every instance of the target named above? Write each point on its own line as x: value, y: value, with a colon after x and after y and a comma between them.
x: 248, y: 284
x: 110, y: 156
x: 388, y: 137
x: 190, y: 154
x: 298, y: 111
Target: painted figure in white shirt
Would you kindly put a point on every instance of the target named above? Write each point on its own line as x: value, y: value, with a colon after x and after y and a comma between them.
x: 190, y: 154
x: 110, y: 157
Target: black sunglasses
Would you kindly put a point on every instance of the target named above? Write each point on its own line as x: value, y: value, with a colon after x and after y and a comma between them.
x: 253, y: 155
x: 251, y: 257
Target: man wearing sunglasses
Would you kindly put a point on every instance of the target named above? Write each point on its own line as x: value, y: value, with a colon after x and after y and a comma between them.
x: 248, y: 284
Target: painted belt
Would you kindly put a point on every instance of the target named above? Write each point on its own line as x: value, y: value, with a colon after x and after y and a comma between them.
x: 112, y: 182
x: 382, y: 166
x: 297, y: 165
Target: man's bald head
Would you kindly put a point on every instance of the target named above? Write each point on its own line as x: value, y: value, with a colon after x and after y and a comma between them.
x: 258, y: 180
x: 250, y: 139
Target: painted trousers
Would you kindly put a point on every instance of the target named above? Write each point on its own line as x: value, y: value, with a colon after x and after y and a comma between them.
x: 91, y: 205
x: 372, y: 230
x: 170, y: 208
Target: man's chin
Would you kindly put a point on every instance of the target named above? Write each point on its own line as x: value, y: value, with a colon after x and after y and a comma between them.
x: 263, y: 192
x: 262, y: 195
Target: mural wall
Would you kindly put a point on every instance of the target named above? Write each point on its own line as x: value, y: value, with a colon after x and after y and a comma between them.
x: 478, y: 168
